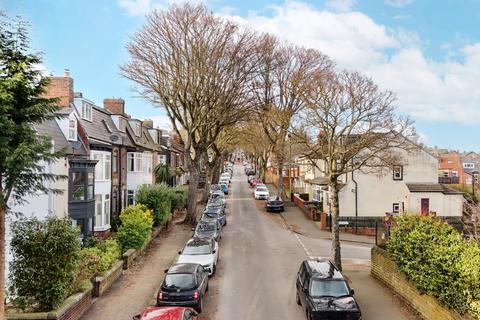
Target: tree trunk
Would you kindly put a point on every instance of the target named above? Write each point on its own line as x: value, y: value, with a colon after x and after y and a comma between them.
x: 208, y: 179
x: 280, y: 186
x: 3, y: 213
x: 194, y: 168
x: 336, y: 256
x: 216, y: 170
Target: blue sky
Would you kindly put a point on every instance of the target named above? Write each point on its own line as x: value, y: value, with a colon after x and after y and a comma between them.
x: 426, y: 51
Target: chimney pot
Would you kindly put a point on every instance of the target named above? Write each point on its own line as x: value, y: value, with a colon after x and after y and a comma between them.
x: 66, y: 73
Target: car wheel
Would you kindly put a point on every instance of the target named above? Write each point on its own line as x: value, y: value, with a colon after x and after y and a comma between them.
x: 297, y: 298
x: 309, y: 315
x: 225, y: 222
x: 213, y: 272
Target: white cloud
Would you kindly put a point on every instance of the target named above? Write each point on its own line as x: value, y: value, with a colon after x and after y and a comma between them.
x: 162, y: 122
x: 135, y: 7
x: 142, y: 7
x: 398, y: 3
x: 340, y: 5
x: 427, y: 89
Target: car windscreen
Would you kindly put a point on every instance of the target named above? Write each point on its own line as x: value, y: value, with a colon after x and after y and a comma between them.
x: 196, y: 248
x: 179, y: 281
x: 331, y: 288
x: 262, y: 189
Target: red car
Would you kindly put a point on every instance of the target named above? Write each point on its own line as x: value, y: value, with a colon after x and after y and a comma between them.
x: 167, y: 313
x: 256, y: 181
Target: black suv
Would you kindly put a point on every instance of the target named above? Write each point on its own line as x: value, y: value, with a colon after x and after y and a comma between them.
x: 184, y: 285
x: 323, y: 292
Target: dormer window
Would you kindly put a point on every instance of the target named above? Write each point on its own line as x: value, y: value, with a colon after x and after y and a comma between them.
x: 154, y: 135
x: 122, y: 124
x: 86, y: 111
x: 72, y: 130
x: 137, y: 128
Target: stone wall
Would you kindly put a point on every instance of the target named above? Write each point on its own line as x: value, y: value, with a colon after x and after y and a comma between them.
x: 385, y: 270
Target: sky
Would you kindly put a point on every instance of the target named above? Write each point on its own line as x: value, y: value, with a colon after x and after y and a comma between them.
x: 426, y: 51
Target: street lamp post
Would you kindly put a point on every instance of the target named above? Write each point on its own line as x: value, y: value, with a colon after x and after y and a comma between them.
x: 290, y: 167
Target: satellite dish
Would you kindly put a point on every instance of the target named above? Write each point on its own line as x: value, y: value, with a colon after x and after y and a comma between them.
x: 114, y: 137
x: 75, y: 145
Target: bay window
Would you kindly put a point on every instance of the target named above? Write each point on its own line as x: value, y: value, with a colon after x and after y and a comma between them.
x: 103, y: 169
x: 139, y: 162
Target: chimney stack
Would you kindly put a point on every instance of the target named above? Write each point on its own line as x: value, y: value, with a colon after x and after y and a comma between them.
x: 115, y: 106
x: 61, y: 88
x: 148, y: 123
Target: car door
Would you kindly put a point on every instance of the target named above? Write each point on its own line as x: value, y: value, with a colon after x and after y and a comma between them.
x: 204, y: 280
x: 300, y: 281
x: 215, y: 249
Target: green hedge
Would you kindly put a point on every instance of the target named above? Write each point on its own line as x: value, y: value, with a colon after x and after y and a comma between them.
x: 136, y: 227
x: 436, y: 258
x: 45, y: 256
x: 160, y: 199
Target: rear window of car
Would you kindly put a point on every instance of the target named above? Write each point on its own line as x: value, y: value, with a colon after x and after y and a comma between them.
x: 331, y: 288
x: 179, y: 281
x: 206, y: 227
x: 196, y: 249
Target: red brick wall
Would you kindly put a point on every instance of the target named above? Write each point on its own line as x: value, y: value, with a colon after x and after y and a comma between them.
x: 61, y: 87
x: 115, y: 106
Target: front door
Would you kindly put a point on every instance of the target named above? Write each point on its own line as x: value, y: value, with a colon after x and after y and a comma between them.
x: 425, y: 206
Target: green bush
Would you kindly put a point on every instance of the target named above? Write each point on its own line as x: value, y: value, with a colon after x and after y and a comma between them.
x: 157, y: 198
x: 97, y: 257
x: 179, y: 194
x: 45, y: 258
x: 436, y: 258
x: 136, y: 227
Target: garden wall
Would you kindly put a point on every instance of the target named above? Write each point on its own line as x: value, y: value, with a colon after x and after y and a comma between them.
x: 385, y: 270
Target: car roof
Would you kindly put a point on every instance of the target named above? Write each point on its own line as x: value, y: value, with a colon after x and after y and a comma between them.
x: 196, y: 242
x: 183, y: 268
x: 212, y: 209
x: 323, y: 269
x: 163, y: 313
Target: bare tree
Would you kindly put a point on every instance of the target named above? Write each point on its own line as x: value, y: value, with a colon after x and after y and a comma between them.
x: 285, y: 75
x: 350, y: 124
x: 197, y: 67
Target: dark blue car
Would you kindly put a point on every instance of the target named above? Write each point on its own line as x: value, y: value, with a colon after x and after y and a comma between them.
x: 224, y: 188
x: 215, y: 212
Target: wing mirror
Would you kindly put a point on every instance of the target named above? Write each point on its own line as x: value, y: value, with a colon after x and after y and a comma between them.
x: 214, y: 251
x: 136, y: 317
x: 193, y: 229
x: 165, y: 271
x: 179, y: 252
x: 352, y: 292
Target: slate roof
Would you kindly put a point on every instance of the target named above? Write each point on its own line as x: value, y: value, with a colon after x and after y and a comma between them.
x: 50, y: 128
x: 431, y: 187
x: 145, y: 140
x: 102, y: 128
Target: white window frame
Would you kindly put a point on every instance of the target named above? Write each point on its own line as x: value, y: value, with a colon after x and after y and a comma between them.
x: 72, y: 130
x: 147, y: 162
x: 161, y: 159
x: 455, y: 173
x: 142, y: 162
x: 397, y: 173
x: 137, y: 128
x: 102, y: 218
x: 317, y: 193
x: 396, y: 207
x: 87, y: 111
x: 103, y: 168
x: 468, y: 165
x: 130, y: 194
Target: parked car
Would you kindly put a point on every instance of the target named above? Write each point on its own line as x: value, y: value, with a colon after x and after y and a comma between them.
x: 167, y: 313
x: 218, y: 196
x: 250, y: 172
x: 224, y: 179
x: 274, y: 204
x: 323, y: 292
x: 256, y: 181
x: 214, y: 188
x: 203, y: 251
x: 184, y: 285
x: 213, y: 212
x: 261, y: 192
x: 216, y: 202
x: 224, y: 187
x: 207, y: 229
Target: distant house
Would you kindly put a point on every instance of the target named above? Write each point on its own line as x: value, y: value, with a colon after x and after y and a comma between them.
x: 455, y: 168
x: 367, y: 197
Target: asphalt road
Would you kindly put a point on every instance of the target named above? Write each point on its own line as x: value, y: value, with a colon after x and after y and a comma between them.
x: 259, y: 259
